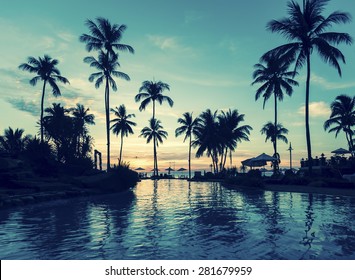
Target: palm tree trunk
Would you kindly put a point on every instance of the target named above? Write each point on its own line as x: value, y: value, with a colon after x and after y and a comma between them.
x: 308, y: 135
x: 42, y: 105
x: 275, y: 136
x: 107, y: 106
x: 154, y: 109
x: 155, y: 158
x: 120, y: 160
x: 190, y: 158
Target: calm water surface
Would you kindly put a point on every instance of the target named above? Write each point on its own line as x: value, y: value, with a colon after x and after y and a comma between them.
x: 173, y: 219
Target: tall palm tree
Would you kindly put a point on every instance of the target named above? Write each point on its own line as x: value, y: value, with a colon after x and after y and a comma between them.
x: 13, y: 141
x: 105, y: 36
x: 156, y: 133
x: 106, y: 65
x: 46, y: 70
x: 81, y: 118
x: 232, y: 133
x: 274, y: 133
x: 152, y: 91
x: 275, y: 78
x: 306, y: 29
x: 342, y: 118
x: 122, y: 125
x: 188, y: 126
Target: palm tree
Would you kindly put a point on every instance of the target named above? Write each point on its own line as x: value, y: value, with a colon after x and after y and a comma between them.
x: 152, y: 91
x: 13, y: 141
x: 232, y: 133
x: 81, y: 118
x: 208, y: 139
x: 306, y: 28
x: 105, y: 36
x: 107, y: 70
x: 59, y: 129
x: 122, y: 125
x: 154, y: 131
x: 274, y: 133
x: 342, y: 118
x: 46, y: 70
x: 275, y: 78
x: 188, y: 126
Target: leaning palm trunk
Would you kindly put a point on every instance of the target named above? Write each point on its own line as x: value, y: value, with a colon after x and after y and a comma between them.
x: 107, y: 106
x: 42, y: 105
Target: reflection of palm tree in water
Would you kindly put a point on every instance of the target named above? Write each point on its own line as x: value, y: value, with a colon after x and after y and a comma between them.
x: 309, y: 236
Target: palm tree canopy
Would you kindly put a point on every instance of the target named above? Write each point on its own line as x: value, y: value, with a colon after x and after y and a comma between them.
x: 46, y: 70
x: 274, y: 77
x: 153, y: 91
x: 155, y: 129
x: 307, y: 29
x: 188, y: 125
x: 274, y: 133
x: 105, y: 36
x: 107, y: 69
x: 230, y: 129
x: 122, y: 124
x: 342, y: 115
x: 13, y: 141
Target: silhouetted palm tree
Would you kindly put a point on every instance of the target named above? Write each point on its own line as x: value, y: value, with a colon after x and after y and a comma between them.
x: 152, y: 91
x: 232, y: 133
x: 13, y: 141
x: 342, y: 118
x: 81, y: 118
x: 275, y: 78
x: 107, y: 70
x: 46, y: 70
x: 188, y: 126
x: 122, y: 125
x: 105, y: 36
x: 306, y: 28
x: 154, y: 131
x: 208, y: 139
x: 59, y: 129
x: 274, y: 133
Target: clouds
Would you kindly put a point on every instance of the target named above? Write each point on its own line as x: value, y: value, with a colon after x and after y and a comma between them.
x: 316, y: 109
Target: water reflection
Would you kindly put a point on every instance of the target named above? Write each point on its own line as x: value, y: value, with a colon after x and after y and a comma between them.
x: 173, y: 219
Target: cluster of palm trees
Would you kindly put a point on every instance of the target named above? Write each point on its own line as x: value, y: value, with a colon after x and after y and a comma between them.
x: 306, y: 30
x: 213, y: 133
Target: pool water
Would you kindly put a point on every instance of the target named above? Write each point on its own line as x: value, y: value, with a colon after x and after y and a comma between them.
x: 175, y: 219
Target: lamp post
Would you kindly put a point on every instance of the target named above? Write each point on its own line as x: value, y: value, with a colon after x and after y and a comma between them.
x: 290, y: 149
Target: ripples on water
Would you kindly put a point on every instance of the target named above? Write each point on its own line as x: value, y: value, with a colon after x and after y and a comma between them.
x: 172, y: 219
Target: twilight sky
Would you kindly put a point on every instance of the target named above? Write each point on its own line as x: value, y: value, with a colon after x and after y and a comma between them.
x: 205, y: 51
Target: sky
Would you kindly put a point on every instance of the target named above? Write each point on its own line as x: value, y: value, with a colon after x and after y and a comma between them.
x: 205, y: 50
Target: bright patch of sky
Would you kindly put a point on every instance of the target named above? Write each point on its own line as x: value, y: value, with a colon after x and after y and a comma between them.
x: 205, y: 51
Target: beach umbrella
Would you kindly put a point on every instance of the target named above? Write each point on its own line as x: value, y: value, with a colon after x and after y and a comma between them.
x: 251, y: 162
x: 181, y: 169
x: 139, y: 169
x: 169, y: 170
x: 340, y: 151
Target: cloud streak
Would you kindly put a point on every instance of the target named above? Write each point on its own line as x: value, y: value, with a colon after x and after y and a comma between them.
x: 316, y: 109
